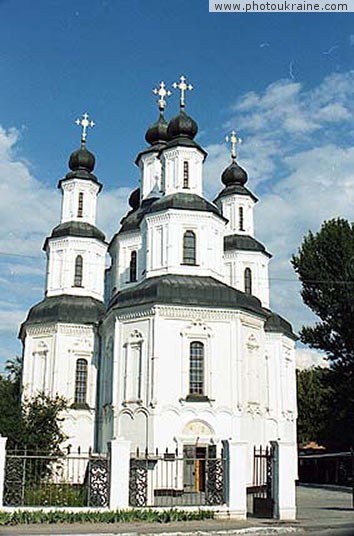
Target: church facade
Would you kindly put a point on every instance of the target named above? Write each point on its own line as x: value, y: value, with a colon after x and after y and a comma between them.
x: 174, y: 345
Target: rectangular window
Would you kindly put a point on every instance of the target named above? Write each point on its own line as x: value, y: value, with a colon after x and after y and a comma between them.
x: 185, y: 174
x: 196, y: 368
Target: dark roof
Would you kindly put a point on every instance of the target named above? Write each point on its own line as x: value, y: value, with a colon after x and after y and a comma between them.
x: 76, y: 228
x: 184, y: 201
x: 186, y: 290
x: 245, y: 243
x: 235, y: 189
x: 65, y: 308
x: 234, y: 175
x: 184, y: 142
x: 131, y: 221
x: 277, y: 324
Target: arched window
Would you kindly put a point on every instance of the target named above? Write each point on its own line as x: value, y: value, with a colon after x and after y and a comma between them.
x: 240, y: 219
x: 81, y: 381
x: 196, y: 368
x: 78, y: 271
x: 80, y: 205
x: 248, y: 281
x: 185, y: 174
x: 189, y: 248
x: 133, y: 266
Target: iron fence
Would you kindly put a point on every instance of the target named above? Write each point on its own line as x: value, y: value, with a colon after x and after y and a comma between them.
x: 262, y: 503
x: 47, y: 479
x: 173, y: 479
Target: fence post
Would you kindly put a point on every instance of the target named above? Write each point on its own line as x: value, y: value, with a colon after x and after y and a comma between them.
x: 236, y: 491
x: 119, y: 473
x: 284, y: 480
x: 2, y: 468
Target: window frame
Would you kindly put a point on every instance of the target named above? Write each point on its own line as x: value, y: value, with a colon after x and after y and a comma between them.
x: 247, y: 274
x: 81, y: 377
x: 80, y: 205
x: 189, y: 251
x: 185, y: 174
x: 196, y: 378
x: 78, y: 271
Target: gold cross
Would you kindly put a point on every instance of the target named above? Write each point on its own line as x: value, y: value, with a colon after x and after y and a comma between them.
x: 162, y: 92
x: 234, y: 140
x: 84, y: 123
x: 183, y: 87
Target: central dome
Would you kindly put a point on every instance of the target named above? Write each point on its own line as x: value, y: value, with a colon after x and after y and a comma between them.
x: 182, y: 125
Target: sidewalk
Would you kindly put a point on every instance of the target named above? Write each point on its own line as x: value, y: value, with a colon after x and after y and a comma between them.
x: 319, y: 510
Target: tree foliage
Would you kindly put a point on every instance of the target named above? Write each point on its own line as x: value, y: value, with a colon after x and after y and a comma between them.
x: 35, y: 423
x: 325, y: 266
x: 313, y: 394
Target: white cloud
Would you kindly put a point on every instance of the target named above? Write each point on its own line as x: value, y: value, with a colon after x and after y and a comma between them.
x: 306, y: 358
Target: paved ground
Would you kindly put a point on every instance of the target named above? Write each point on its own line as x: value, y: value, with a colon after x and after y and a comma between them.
x: 321, y: 512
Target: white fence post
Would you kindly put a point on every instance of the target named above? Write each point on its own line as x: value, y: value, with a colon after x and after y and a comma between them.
x: 2, y: 467
x: 236, y: 491
x: 284, y: 480
x: 119, y: 473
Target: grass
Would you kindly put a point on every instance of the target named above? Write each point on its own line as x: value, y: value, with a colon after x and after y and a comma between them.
x: 23, y: 517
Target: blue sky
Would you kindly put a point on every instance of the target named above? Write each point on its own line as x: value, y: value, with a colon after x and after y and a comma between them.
x: 285, y: 82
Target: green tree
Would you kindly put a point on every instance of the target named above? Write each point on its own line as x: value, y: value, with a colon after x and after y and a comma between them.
x: 35, y: 423
x: 313, y: 395
x: 325, y: 266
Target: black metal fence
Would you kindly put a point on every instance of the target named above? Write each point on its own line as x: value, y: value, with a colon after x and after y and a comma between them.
x: 42, y: 479
x: 261, y: 498
x: 335, y: 468
x: 172, y: 479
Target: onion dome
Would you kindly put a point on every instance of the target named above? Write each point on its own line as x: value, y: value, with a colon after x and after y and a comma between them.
x: 134, y: 199
x: 234, y: 175
x: 82, y: 159
x: 182, y: 126
x: 157, y: 133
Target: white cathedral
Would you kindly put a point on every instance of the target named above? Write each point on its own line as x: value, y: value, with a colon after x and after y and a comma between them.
x: 174, y: 345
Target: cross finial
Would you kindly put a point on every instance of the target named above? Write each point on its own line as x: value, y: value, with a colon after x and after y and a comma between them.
x: 183, y: 87
x: 234, y: 140
x: 84, y: 123
x: 162, y: 92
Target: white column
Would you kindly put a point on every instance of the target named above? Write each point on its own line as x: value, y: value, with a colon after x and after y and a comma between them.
x: 236, y: 492
x: 119, y: 477
x: 284, y: 480
x: 2, y: 467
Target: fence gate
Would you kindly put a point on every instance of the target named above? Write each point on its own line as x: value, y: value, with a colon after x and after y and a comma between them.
x: 42, y: 479
x: 193, y: 478
x: 261, y: 490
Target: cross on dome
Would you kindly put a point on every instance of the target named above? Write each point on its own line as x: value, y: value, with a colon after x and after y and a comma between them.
x: 162, y: 92
x: 183, y: 87
x: 234, y: 140
x: 84, y: 123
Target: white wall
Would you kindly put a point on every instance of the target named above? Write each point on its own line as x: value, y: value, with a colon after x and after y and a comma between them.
x: 236, y: 261
x: 70, y: 200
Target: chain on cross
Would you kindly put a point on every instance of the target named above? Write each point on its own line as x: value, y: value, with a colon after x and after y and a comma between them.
x: 84, y: 123
x: 234, y: 140
x: 183, y: 87
x: 162, y: 92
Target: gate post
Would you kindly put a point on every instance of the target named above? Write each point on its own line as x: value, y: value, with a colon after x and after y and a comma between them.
x: 236, y: 491
x: 2, y: 468
x: 119, y: 478
x: 283, y: 484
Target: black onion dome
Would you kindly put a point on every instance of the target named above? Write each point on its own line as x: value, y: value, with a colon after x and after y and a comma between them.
x: 234, y: 174
x: 157, y: 133
x: 134, y: 199
x: 82, y: 159
x: 182, y: 126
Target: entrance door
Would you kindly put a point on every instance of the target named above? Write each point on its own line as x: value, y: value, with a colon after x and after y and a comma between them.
x: 194, y: 468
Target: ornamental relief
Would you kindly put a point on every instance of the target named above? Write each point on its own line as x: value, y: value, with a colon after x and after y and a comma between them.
x: 197, y: 428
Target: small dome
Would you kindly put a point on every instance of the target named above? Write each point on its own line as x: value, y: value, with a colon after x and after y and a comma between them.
x: 234, y: 174
x: 182, y: 125
x: 134, y: 199
x: 157, y: 133
x: 82, y: 159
